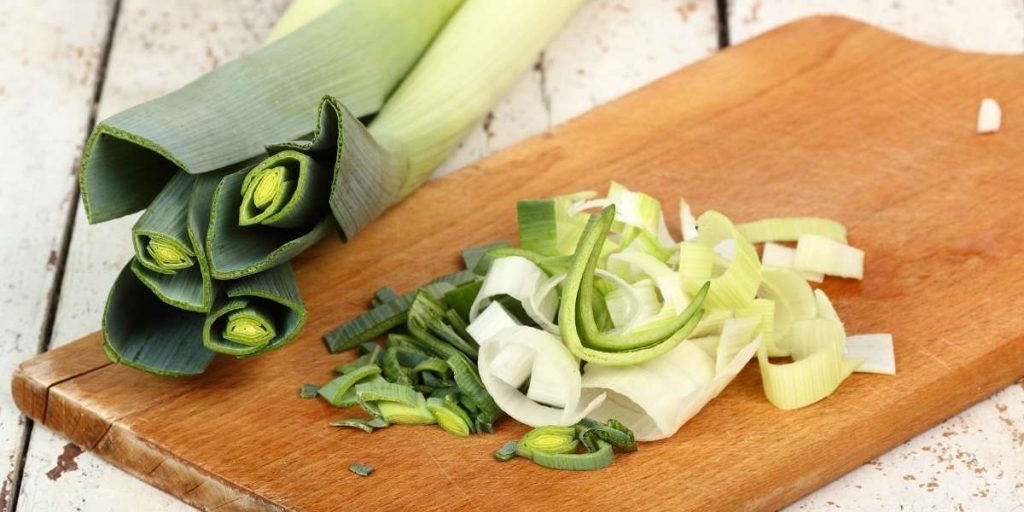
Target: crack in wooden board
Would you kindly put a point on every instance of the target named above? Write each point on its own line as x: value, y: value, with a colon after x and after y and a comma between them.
x: 823, y: 117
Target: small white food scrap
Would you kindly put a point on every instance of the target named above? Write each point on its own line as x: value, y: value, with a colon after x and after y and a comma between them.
x: 990, y: 116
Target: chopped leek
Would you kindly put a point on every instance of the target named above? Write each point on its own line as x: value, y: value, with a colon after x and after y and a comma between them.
x: 794, y: 301
x: 817, y: 369
x: 308, y: 391
x: 361, y: 469
x: 875, y: 350
x: 507, y: 451
x: 547, y: 439
x: 450, y: 417
x: 335, y: 390
x: 820, y: 254
x: 790, y: 229
x: 367, y: 426
x: 780, y: 256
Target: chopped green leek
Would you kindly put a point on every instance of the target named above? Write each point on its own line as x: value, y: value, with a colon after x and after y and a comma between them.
x: 737, y: 285
x: 790, y: 229
x: 507, y: 451
x: 367, y: 426
x: 309, y: 391
x: 335, y: 390
x: 817, y: 369
x: 450, y: 417
x: 402, y: 414
x: 591, y: 461
x: 547, y: 439
x: 794, y: 301
x: 361, y: 469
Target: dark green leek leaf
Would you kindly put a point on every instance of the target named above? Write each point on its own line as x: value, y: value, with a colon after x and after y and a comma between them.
x: 363, y: 360
x: 384, y: 294
x: 591, y: 461
x: 256, y: 314
x: 335, y: 390
x: 308, y: 391
x: 367, y: 426
x: 143, y: 332
x: 461, y: 298
x: 227, y: 116
x: 361, y: 469
x: 471, y: 256
x: 468, y: 381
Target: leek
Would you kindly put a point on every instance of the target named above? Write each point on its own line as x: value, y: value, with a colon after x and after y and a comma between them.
x: 790, y: 229
x: 547, y: 439
x: 507, y: 451
x: 220, y: 124
x: 361, y: 469
x: 737, y: 285
x: 780, y: 256
x: 794, y: 301
x: 817, y: 369
x: 875, y: 350
x: 816, y: 253
x: 256, y: 314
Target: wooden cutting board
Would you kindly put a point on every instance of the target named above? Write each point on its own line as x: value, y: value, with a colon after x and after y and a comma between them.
x: 823, y: 117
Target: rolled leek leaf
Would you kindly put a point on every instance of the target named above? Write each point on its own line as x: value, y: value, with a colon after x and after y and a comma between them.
x: 226, y: 117
x: 256, y: 314
x: 790, y: 229
x: 145, y: 333
x: 176, y: 223
x: 818, y: 366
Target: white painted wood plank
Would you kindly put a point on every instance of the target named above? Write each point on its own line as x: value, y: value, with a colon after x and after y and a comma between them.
x: 50, y: 59
x: 607, y: 49
x: 995, y: 26
x: 158, y: 47
x: 974, y: 461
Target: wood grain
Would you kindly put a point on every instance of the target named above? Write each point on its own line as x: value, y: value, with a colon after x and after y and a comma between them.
x: 820, y: 117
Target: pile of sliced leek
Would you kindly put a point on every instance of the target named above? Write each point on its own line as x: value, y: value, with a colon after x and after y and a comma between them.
x: 601, y: 315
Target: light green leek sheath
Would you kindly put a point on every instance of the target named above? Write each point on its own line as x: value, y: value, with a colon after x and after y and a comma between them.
x: 359, y: 51
x: 256, y: 314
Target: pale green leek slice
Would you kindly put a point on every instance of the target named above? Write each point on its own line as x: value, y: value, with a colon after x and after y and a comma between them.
x: 256, y: 314
x: 736, y: 335
x: 764, y: 311
x: 696, y: 265
x: 631, y: 305
x: 824, y: 307
x: 712, y: 322
x: 790, y: 229
x: 591, y: 461
x: 875, y: 350
x: 794, y: 301
x: 817, y: 369
x: 737, y: 285
x: 287, y: 190
x: 225, y: 118
x: 548, y: 227
x: 450, y: 417
x: 547, y: 439
x: 780, y: 256
x: 635, y: 208
x: 518, y: 278
x: 398, y: 413
x: 560, y: 368
x: 145, y: 333
x: 820, y: 254
x: 335, y: 390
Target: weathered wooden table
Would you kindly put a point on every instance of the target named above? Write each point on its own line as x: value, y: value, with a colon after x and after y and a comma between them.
x: 66, y: 64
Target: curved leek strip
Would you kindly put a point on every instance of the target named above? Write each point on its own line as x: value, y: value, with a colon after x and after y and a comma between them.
x: 712, y: 322
x: 696, y: 265
x: 794, y: 301
x: 494, y: 318
x: 591, y: 461
x: 547, y: 439
x: 402, y: 414
x: 875, y: 350
x: 737, y: 285
x: 824, y: 307
x: 551, y: 227
x: 817, y: 369
x: 286, y: 190
x: 335, y: 390
x: 577, y: 299
x: 256, y: 314
x: 635, y: 208
x: 518, y: 278
x: 790, y: 229
x: 562, y: 371
x: 763, y: 310
x: 780, y: 256
x: 145, y: 333
x: 631, y: 304
x: 225, y: 118
x: 664, y: 278
x: 545, y: 294
x: 648, y: 398
x: 820, y: 254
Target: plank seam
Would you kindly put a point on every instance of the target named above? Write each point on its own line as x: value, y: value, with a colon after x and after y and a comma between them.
x: 722, y: 8
x: 53, y: 297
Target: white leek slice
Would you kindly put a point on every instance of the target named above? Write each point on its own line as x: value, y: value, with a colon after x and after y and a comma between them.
x: 875, y: 350
x: 790, y: 229
x: 709, y: 344
x: 730, y: 371
x: 737, y: 285
x: 824, y: 307
x: 780, y: 256
x: 794, y: 301
x: 990, y: 116
x: 726, y: 249
x: 630, y: 305
x: 817, y: 369
x: 494, y: 318
x: 650, y: 397
x: 664, y: 277
x: 513, y: 365
x: 560, y: 373
x: 545, y: 293
x: 736, y: 334
x: 687, y: 222
x: 518, y: 278
x: 816, y: 253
